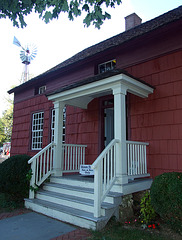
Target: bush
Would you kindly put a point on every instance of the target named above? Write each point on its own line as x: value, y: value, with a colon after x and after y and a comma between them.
x: 148, y: 214
x: 13, y: 181
x: 166, y: 198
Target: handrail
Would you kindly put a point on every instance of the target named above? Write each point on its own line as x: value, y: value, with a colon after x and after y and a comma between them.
x: 95, y: 163
x: 41, y: 166
x: 135, y: 142
x: 104, y: 175
x: 41, y: 151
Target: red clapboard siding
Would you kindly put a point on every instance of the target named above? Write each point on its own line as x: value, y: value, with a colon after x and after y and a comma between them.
x: 158, y: 119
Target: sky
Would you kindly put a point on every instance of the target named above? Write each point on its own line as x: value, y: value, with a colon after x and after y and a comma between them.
x: 61, y: 39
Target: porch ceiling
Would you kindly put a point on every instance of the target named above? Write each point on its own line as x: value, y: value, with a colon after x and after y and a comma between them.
x: 80, y: 94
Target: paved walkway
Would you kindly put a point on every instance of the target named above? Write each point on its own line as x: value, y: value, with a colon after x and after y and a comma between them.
x: 14, y: 226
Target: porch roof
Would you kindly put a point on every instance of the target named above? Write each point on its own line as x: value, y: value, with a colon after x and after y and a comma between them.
x: 81, y: 93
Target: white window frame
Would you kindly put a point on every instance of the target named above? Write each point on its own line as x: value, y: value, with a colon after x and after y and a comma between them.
x: 107, y: 66
x: 53, y: 125
x: 37, y: 130
x: 42, y: 89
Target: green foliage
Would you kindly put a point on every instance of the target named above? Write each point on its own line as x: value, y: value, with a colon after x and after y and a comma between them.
x: 7, y: 204
x: 2, y: 133
x: 147, y: 211
x: 166, y: 198
x: 15, y: 10
x: 7, y: 120
x: 28, y: 177
x: 6, y: 123
x: 13, y: 179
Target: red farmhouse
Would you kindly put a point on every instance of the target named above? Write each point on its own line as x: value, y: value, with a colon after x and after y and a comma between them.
x: 115, y: 106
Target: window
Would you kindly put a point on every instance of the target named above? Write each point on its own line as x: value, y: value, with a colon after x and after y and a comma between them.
x: 37, y: 130
x: 104, y: 67
x: 42, y: 89
x: 53, y: 125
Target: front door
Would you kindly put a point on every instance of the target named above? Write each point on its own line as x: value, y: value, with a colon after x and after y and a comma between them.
x: 108, y: 125
x: 107, y: 121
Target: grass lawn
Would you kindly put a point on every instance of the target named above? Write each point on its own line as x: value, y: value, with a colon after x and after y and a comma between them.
x: 117, y: 231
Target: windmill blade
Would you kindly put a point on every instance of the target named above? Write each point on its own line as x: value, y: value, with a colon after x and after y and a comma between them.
x: 16, y: 42
x: 22, y: 55
x: 33, y: 51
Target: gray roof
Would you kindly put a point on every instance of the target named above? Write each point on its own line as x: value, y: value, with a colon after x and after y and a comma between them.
x: 147, y: 27
x: 119, y: 39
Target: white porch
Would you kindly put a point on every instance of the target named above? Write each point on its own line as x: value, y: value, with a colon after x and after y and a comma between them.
x: 117, y: 168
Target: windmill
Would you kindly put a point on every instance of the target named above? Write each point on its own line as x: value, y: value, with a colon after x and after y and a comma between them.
x: 27, y: 54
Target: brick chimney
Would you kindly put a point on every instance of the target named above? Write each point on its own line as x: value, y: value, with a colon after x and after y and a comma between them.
x: 132, y: 21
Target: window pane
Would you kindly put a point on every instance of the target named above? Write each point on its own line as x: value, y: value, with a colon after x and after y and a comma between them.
x: 53, y: 124
x: 37, y: 130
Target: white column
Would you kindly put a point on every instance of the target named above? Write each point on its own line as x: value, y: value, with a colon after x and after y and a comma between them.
x: 58, y: 134
x: 119, y: 93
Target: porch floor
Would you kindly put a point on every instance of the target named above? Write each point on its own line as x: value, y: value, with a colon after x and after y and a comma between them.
x: 79, y: 177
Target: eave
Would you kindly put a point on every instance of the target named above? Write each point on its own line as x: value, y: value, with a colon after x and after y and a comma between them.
x: 81, y: 94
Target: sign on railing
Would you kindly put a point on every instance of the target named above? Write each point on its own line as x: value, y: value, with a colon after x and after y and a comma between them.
x: 86, y: 170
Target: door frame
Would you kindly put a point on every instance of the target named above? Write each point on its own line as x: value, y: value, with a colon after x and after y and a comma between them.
x: 102, y: 107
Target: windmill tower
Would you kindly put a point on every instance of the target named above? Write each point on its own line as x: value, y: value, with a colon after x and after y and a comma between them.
x: 27, y: 54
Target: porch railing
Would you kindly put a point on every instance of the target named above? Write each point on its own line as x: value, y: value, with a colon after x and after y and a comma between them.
x: 41, y: 166
x: 74, y: 156
x: 137, y: 158
x: 104, y: 175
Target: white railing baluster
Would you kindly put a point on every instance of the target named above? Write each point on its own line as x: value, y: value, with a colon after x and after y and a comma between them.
x: 103, y: 167
x: 40, y: 172
x: 74, y: 156
x: 137, y: 159
x: 47, y: 160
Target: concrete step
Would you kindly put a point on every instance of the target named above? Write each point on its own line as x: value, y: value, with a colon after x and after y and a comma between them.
x: 67, y: 214
x: 84, y: 192
x: 70, y: 190
x: 73, y: 201
x: 74, y: 180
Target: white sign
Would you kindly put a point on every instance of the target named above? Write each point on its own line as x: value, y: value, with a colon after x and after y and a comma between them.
x: 86, y: 170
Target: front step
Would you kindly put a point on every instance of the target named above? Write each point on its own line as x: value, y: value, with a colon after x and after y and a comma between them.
x: 71, y: 200
x: 67, y: 214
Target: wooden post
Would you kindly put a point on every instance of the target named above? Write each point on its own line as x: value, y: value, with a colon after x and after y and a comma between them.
x: 32, y: 181
x: 97, y: 191
x: 120, y: 132
x: 58, y: 134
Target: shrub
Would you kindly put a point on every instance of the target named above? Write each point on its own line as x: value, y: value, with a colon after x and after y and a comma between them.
x: 148, y: 214
x: 13, y: 181
x: 166, y: 198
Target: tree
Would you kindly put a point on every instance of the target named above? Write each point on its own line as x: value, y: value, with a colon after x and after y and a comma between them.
x: 2, y: 133
x: 6, y: 123
x: 15, y: 10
